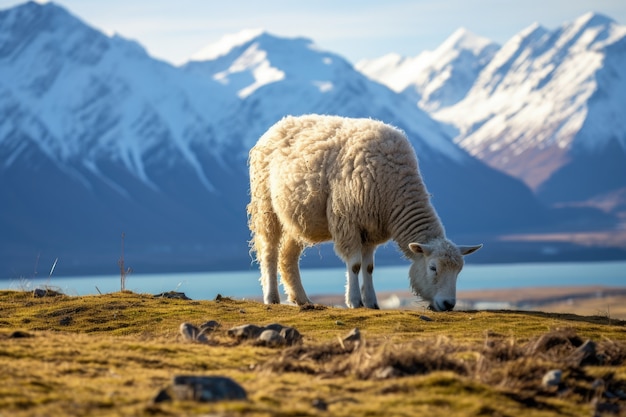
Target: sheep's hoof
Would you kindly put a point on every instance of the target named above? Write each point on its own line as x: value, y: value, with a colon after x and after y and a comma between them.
x: 355, y: 305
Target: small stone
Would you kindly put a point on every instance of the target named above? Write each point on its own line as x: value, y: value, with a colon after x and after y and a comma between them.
x: 291, y: 335
x: 209, y: 326
x: 320, y: 404
x: 202, y: 389
x: 189, y: 331
x: 552, y: 378
x: 425, y: 318
x: 274, y: 326
x: 19, y: 334
x: 39, y: 292
x: 271, y: 338
x: 246, y: 331
x: 339, y: 323
x: 66, y: 321
x: 353, y: 336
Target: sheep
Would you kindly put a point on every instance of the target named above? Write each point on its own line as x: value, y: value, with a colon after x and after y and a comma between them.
x: 356, y: 182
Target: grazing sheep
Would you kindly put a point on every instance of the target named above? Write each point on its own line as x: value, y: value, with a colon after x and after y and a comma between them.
x: 353, y: 181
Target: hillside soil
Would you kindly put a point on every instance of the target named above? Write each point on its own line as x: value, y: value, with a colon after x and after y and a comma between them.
x: 114, y: 354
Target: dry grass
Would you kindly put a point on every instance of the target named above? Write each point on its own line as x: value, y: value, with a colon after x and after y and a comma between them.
x: 110, y: 355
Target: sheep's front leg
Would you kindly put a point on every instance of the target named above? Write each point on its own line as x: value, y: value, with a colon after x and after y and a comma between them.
x: 368, y: 294
x: 353, y: 295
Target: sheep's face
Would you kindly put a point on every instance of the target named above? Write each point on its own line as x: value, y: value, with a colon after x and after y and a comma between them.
x: 435, y: 269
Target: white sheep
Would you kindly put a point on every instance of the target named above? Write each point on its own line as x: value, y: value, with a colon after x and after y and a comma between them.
x: 353, y: 181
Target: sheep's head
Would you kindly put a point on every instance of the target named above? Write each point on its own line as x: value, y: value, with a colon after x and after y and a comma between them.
x: 434, y: 271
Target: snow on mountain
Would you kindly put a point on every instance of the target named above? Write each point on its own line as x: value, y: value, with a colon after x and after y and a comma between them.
x: 278, y: 76
x: 434, y: 79
x: 98, y: 95
x: 545, y: 97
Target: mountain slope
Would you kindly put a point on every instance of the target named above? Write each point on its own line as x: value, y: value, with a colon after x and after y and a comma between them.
x: 97, y: 138
x: 434, y: 79
x: 550, y: 100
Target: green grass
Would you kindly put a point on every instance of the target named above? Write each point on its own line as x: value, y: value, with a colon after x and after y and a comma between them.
x: 111, y: 354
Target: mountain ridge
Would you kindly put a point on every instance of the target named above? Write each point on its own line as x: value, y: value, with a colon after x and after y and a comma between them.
x: 113, y: 141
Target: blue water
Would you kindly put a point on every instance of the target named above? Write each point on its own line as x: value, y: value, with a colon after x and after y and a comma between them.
x: 245, y: 284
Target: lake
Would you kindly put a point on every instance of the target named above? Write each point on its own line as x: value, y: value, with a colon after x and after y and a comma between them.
x: 245, y: 284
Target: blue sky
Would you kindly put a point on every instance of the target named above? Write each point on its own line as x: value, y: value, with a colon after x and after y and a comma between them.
x: 175, y: 30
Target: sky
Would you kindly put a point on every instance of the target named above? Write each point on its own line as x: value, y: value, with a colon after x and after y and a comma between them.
x: 356, y: 29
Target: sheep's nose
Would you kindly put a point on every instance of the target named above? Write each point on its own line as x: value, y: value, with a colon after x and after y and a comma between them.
x: 443, y: 305
x: 448, y: 304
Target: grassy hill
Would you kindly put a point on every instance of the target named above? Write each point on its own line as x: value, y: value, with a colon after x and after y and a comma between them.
x: 111, y: 354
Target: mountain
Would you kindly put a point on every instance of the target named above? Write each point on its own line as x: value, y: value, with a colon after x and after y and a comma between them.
x: 546, y: 97
x: 98, y: 139
x: 275, y: 76
x: 545, y: 107
x: 434, y: 79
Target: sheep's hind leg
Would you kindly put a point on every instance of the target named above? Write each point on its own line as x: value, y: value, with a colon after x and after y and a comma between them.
x: 268, y: 258
x: 289, y: 258
x: 368, y: 294
x: 267, y: 233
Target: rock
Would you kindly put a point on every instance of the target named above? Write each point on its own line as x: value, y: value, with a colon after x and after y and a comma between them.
x: 19, y: 334
x: 192, y: 333
x: 275, y: 326
x: 209, y: 326
x: 270, y: 338
x: 271, y: 335
x: 38, y: 293
x: 246, y: 331
x: 291, y: 335
x: 320, y: 404
x: 202, y: 389
x: 172, y: 294
x: 66, y: 321
x: 552, y: 378
x: 425, y: 318
x: 188, y: 331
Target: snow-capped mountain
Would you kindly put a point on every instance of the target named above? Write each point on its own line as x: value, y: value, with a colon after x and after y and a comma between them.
x: 434, y: 79
x: 547, y: 97
x: 98, y: 139
x: 316, y: 81
x: 546, y: 107
x: 276, y: 76
x: 94, y: 95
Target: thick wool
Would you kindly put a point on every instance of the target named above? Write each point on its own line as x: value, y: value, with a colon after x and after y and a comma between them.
x: 353, y: 181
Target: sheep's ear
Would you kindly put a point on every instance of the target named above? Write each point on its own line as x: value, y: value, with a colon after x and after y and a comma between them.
x: 466, y: 250
x: 421, y: 248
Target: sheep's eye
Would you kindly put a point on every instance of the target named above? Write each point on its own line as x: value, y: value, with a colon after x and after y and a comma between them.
x: 433, y: 268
